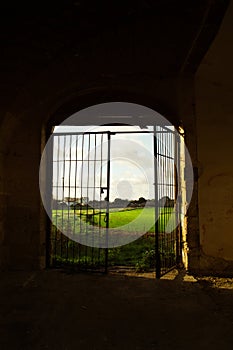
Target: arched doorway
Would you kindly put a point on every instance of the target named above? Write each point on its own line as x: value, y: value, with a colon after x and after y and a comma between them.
x: 104, y: 216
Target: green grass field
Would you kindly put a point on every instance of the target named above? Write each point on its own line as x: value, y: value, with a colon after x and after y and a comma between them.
x: 130, y: 220
x: 140, y: 253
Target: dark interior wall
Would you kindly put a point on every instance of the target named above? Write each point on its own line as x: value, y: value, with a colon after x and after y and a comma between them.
x: 214, y: 114
x: 23, y: 230
x: 57, y: 62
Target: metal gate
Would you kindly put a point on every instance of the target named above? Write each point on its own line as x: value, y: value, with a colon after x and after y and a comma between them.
x: 80, y: 199
x: 168, y: 233
x: 81, y: 185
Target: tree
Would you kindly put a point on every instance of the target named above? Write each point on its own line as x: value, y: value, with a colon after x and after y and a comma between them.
x: 141, y: 200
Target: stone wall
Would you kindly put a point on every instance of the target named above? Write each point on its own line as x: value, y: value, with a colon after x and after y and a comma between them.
x: 59, y: 62
x: 214, y: 110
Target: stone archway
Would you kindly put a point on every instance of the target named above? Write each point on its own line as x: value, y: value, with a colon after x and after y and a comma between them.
x: 89, y: 114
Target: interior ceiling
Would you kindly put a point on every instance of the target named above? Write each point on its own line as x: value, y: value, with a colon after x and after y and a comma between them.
x: 157, y: 37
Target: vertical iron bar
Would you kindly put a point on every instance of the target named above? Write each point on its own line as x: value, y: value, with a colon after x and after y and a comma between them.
x: 63, y: 192
x: 93, y: 195
x: 100, y: 205
x: 68, y: 214
x: 171, y: 189
x: 164, y: 190
x: 49, y: 193
x: 177, y: 212
x: 87, y: 192
x: 180, y: 200
x: 81, y: 195
x: 57, y: 192
x: 107, y: 200
x: 157, y: 253
x: 75, y: 189
x: 169, y: 182
x: 166, y: 182
x: 69, y: 175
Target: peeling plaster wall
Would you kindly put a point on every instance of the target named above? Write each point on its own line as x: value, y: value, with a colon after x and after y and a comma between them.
x: 214, y: 110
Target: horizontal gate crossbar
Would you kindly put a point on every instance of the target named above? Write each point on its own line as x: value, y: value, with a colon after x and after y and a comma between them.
x: 114, y: 132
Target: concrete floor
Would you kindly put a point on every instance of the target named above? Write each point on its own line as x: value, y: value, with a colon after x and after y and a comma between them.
x: 57, y: 310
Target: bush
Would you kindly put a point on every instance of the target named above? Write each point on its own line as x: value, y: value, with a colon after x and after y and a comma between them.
x: 147, y: 262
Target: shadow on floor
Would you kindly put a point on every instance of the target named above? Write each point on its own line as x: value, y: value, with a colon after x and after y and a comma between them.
x: 57, y: 310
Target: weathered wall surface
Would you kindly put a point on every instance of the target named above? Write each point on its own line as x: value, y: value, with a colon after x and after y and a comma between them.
x: 214, y: 110
x: 22, y: 219
x: 60, y: 61
x: 55, y: 63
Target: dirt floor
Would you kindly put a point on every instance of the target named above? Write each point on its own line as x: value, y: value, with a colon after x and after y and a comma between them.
x: 58, y: 310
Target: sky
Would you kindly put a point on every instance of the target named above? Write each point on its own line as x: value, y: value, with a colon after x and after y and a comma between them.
x: 82, y: 162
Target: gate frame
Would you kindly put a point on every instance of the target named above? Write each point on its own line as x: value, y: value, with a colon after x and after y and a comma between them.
x: 178, y: 233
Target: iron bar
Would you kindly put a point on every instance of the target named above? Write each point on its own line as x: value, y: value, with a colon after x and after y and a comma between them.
x: 107, y: 200
x: 156, y: 208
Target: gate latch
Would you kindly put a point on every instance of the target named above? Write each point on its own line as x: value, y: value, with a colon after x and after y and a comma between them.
x: 102, y: 189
